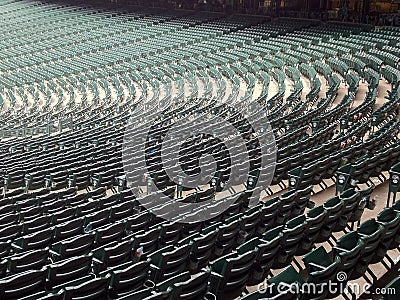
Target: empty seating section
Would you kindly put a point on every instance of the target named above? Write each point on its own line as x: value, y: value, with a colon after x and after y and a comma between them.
x: 70, y: 77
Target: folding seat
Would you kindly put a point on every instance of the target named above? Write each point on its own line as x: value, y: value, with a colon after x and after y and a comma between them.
x: 351, y: 201
x: 8, y: 208
x: 140, y: 221
x: 97, y: 193
x: 38, y: 224
x: 287, y: 285
x: 79, y: 179
x: 350, y: 249
x: 31, y: 260
x: 228, y: 233
x: 18, y: 196
x: 186, y: 288
x: 63, y: 216
x: 389, y: 218
x: 109, y: 200
x: 293, y: 234
x: 127, y: 196
x: 35, y: 180
x: 128, y: 278
x: 287, y: 203
x: 32, y: 213
x: 370, y: 232
x: 55, y: 206
x: 27, y: 204
x: 191, y: 198
x: 111, y: 255
x: 87, y: 208
x: 23, y: 284
x: 302, y: 201
x: 334, y: 208
x: 396, y: 206
x: 94, y: 289
x: 170, y: 233
x: 302, y: 177
x: 364, y: 197
x: 217, y: 210
x: 47, y: 198
x: 205, y: 195
x: 266, y: 251
x: 321, y: 270
x: 122, y: 211
x: 315, y: 219
x: 68, y: 193
x: 97, y: 218
x: 33, y: 241
x: 360, y: 171
x: 251, y: 221
x: 229, y: 274
x: 148, y: 239
x: 76, y: 200
x: 269, y: 212
x: 104, y: 178
x: 202, y: 248
x: 168, y: 262
x: 169, y: 210
x: 107, y: 234
x: 80, y: 245
x: 67, y: 270
x: 68, y: 229
x: 57, y: 180
x: 14, y: 180
x: 12, y: 231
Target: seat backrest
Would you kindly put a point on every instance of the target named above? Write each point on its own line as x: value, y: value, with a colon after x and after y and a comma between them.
x: 164, y: 285
x: 192, y: 288
x: 370, y: 232
x: 69, y: 269
x: 32, y: 260
x: 24, y: 284
x: 317, y: 257
x: 287, y: 277
x: 131, y: 278
x: 95, y: 289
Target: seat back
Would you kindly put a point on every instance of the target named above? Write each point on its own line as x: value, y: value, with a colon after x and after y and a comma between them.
x: 95, y: 289
x: 23, y: 284
x: 68, y: 270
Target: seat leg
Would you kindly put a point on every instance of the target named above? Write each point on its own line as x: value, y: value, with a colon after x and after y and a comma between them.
x: 385, y: 265
x: 297, y: 264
